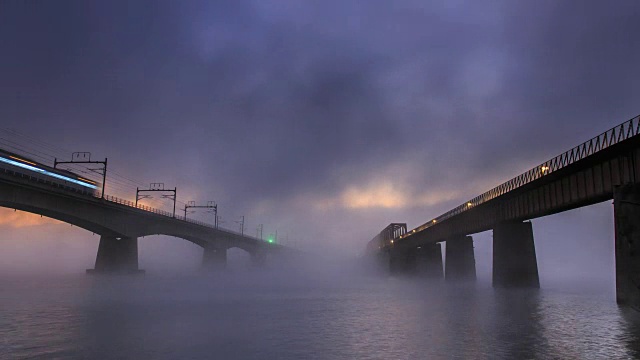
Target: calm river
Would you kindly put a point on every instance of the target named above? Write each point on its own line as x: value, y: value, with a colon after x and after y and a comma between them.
x: 292, y: 316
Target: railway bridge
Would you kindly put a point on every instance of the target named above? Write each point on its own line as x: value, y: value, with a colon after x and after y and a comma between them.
x: 120, y: 223
x: 606, y: 167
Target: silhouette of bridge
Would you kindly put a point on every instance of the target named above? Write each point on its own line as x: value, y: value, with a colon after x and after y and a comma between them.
x: 603, y: 168
x: 120, y: 222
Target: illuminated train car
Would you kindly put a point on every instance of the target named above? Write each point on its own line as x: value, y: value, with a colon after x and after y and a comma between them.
x: 14, y: 164
x: 386, y: 237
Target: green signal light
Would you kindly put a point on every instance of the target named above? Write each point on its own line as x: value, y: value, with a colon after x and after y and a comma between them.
x: 270, y: 241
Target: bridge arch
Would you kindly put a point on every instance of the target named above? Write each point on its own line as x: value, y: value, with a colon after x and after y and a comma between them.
x: 239, y: 258
x: 82, y: 223
x: 120, y: 224
x: 199, y: 238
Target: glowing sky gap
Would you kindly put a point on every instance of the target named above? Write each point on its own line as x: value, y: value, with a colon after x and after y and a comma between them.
x: 45, y: 172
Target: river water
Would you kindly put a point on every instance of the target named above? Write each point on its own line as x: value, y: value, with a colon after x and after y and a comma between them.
x: 293, y: 316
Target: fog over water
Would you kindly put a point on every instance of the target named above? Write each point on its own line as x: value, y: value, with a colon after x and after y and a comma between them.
x: 301, y: 315
x: 317, y: 307
x: 571, y: 246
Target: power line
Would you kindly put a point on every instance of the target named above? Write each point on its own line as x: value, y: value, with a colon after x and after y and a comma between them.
x: 58, y: 152
x: 46, y: 152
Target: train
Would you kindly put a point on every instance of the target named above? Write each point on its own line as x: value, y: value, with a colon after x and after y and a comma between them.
x: 15, y: 164
x: 385, y: 238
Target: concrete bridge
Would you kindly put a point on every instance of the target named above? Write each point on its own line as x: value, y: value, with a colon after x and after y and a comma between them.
x: 120, y: 223
x: 603, y: 168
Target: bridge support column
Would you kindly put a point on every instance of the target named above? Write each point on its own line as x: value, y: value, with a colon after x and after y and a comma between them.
x: 116, y: 255
x: 259, y: 259
x: 430, y: 258
x: 514, y: 256
x: 214, y: 258
x: 395, y: 262
x: 626, y: 209
x: 460, y: 263
x: 382, y: 263
x: 401, y: 261
x: 410, y: 266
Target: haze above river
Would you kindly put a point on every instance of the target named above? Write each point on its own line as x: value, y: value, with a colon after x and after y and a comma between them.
x: 333, y: 315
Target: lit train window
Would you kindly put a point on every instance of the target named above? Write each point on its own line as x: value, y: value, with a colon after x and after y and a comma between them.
x: 48, y: 173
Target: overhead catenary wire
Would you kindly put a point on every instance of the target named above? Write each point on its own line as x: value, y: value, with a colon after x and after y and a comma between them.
x: 45, y: 152
x: 119, y: 185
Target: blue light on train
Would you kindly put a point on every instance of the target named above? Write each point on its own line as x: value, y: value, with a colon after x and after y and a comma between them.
x: 48, y: 173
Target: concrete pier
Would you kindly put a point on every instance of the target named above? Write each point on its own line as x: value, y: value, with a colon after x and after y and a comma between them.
x: 382, y: 263
x: 514, y: 256
x: 116, y: 255
x: 410, y: 263
x: 404, y: 261
x: 460, y: 263
x: 430, y: 261
x: 626, y: 209
x: 425, y: 260
x: 259, y: 259
x: 397, y: 261
x: 214, y: 258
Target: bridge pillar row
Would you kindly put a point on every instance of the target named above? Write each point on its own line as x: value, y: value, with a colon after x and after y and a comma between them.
x: 402, y: 261
x: 425, y: 260
x: 116, y: 255
x: 514, y: 256
x: 460, y: 263
x: 214, y: 258
x: 626, y: 209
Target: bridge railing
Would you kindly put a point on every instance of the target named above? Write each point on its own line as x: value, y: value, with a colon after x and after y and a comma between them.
x: 617, y: 134
x: 169, y: 214
x: 138, y: 206
x: 162, y: 212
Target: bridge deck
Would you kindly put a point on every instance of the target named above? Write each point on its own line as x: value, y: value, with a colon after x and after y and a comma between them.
x: 110, y: 216
x: 584, y: 175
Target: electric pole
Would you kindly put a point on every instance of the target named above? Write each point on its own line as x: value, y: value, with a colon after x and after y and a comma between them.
x: 241, y: 222
x: 85, y: 158
x: 211, y: 205
x: 259, y: 231
x: 158, y: 187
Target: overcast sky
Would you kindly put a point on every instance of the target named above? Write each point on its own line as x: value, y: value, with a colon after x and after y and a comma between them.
x: 325, y: 120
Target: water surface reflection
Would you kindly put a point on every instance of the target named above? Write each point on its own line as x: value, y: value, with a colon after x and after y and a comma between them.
x: 243, y: 316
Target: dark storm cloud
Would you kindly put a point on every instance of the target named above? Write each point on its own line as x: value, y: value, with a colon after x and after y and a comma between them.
x: 298, y: 127
x: 569, y: 77
x: 266, y: 101
x: 577, y: 61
